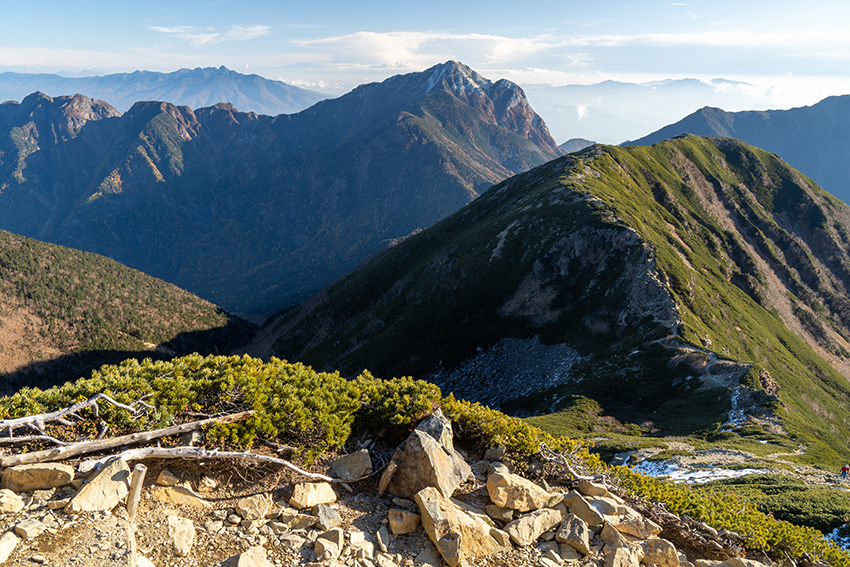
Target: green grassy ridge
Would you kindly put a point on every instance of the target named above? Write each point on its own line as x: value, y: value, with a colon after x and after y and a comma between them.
x: 319, y: 412
x: 814, y: 393
x: 435, y: 298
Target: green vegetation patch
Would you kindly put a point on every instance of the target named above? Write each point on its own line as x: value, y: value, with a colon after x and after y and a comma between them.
x: 786, y: 498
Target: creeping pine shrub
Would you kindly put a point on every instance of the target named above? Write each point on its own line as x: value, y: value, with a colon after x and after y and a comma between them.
x: 726, y: 511
x: 490, y: 427
x: 291, y: 402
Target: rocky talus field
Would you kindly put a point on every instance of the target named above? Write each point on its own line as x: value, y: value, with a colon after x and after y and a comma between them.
x: 424, y: 503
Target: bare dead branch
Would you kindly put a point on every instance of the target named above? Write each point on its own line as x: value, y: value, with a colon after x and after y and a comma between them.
x: 87, y: 447
x: 38, y: 421
x: 198, y: 453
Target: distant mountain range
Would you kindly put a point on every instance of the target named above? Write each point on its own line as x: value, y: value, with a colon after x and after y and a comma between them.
x: 64, y: 313
x: 672, y: 284
x: 194, y: 88
x: 814, y: 139
x: 252, y: 212
x: 614, y: 111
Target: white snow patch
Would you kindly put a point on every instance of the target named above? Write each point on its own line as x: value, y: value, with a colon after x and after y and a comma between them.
x: 676, y: 473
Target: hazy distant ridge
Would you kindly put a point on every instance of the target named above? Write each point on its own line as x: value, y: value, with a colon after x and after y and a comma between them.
x: 194, y: 88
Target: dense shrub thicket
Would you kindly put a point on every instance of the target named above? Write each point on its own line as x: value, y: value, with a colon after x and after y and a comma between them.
x: 320, y: 411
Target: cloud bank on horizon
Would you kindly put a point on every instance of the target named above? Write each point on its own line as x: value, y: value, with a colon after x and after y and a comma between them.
x: 771, y: 54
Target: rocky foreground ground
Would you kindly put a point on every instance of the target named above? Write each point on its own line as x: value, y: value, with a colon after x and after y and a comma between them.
x: 430, y: 506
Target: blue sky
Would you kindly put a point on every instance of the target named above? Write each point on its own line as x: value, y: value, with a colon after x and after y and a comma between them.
x: 799, y: 49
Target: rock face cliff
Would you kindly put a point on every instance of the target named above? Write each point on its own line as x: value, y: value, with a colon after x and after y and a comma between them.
x: 669, y: 283
x: 255, y: 212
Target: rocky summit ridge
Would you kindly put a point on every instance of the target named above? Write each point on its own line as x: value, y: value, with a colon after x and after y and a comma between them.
x: 254, y: 212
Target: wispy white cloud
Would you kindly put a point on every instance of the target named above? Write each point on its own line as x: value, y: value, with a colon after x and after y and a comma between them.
x: 414, y: 49
x: 205, y: 36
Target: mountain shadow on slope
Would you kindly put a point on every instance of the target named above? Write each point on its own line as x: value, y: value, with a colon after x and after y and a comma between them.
x: 64, y: 312
x: 256, y: 213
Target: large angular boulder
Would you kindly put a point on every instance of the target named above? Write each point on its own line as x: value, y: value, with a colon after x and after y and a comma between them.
x: 527, y: 528
x: 422, y: 462
x: 439, y: 427
x: 574, y: 532
x: 353, y: 466
x: 661, y: 552
x: 105, y: 490
x: 38, y: 476
x: 637, y: 525
x: 580, y: 507
x: 513, y: 491
x: 457, y: 535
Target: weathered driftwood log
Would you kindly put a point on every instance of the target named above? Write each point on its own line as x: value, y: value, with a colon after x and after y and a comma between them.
x: 142, y: 453
x: 87, y: 447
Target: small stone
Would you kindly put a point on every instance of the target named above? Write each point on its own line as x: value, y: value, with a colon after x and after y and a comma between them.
x: 404, y: 503
x: 383, y: 538
x: 568, y: 552
x: 181, y: 531
x: 403, y: 521
x: 326, y: 517
x: 167, y: 478
x: 10, y: 503
x: 180, y: 496
x: 253, y: 507
x: 252, y: 557
x: 309, y: 494
x: 213, y: 526
x: 29, y: 528
x: 37, y: 558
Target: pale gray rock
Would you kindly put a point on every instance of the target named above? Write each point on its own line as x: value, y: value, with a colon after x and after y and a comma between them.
x: 574, y: 532
x: 38, y: 476
x: 181, y: 532
x: 439, y: 427
x: 527, y: 528
x: 104, y: 491
x: 326, y: 517
x: 353, y: 466
x: 10, y: 502
x: 382, y: 537
x: 457, y: 535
